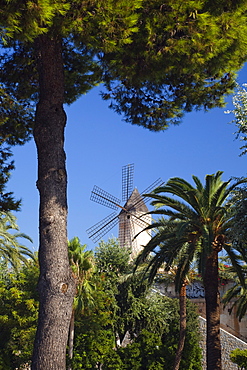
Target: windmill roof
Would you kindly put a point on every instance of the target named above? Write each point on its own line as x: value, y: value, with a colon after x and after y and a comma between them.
x: 135, y: 202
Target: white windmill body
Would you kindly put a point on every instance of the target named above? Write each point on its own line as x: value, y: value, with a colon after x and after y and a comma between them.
x: 132, y: 223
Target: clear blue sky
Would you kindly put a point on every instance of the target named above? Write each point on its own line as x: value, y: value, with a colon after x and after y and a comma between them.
x: 99, y: 143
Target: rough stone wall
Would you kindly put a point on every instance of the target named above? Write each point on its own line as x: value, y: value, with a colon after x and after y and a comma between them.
x: 228, y: 343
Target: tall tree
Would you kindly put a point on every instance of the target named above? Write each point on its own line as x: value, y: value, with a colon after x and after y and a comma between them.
x: 57, y: 33
x: 57, y: 50
x: 202, y: 220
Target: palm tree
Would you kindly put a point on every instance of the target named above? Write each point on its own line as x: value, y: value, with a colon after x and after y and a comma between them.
x: 82, y: 265
x: 196, y: 228
x: 11, y: 250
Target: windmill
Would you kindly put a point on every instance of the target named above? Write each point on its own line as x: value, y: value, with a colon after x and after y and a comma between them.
x: 132, y: 217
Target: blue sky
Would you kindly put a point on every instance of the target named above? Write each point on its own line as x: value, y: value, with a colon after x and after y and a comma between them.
x: 99, y: 143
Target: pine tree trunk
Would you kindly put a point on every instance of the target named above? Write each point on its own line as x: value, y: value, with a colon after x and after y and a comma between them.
x: 212, y: 299
x: 56, y: 284
x: 182, y: 331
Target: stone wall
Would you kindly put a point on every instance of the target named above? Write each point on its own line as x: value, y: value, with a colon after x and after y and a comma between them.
x: 228, y: 343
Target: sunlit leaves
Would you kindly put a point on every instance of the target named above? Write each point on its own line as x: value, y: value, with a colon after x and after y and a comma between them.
x: 240, y: 112
x: 18, y: 315
x: 184, y: 57
x: 27, y: 19
x: 11, y: 250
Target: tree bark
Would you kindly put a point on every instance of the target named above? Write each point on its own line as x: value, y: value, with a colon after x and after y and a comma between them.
x: 56, y: 284
x: 212, y: 299
x: 182, y: 331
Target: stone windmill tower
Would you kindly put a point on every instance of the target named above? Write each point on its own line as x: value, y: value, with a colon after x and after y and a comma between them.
x: 132, y: 217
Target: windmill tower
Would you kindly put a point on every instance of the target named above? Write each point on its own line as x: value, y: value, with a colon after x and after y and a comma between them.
x: 132, y: 217
x: 132, y: 223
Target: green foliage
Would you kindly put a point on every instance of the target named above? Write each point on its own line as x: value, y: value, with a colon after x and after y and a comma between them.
x: 7, y: 201
x: 16, y: 119
x: 238, y: 204
x: 196, y: 222
x: 94, y: 335
x: 157, y: 62
x: 18, y: 315
x: 150, y: 350
x: 124, y: 307
x: 183, y: 57
x: 239, y: 357
x: 139, y: 309
x: 145, y: 353
x: 191, y: 357
x: 86, y: 29
x: 10, y: 249
x: 236, y: 295
x: 83, y: 268
x: 240, y: 112
x: 111, y: 258
x: 194, y: 229
x: 27, y: 19
x: 19, y: 65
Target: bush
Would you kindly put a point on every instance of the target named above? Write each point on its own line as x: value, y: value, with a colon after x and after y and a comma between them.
x: 239, y: 357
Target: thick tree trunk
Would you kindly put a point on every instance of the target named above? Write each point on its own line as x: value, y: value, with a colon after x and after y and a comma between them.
x: 182, y: 331
x: 212, y: 298
x: 56, y: 284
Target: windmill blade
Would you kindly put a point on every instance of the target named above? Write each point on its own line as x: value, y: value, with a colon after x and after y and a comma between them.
x: 151, y: 187
x: 100, y: 196
x: 97, y: 231
x: 127, y: 181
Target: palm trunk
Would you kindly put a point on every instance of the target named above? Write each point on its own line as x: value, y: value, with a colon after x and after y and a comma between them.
x: 182, y: 314
x: 212, y: 299
x: 56, y: 284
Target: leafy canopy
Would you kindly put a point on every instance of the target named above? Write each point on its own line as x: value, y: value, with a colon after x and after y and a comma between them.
x: 184, y: 57
x: 240, y: 113
x: 157, y: 61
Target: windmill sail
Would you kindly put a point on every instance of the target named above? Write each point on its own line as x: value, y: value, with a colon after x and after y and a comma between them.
x: 127, y: 181
x: 97, y: 231
x: 100, y: 196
